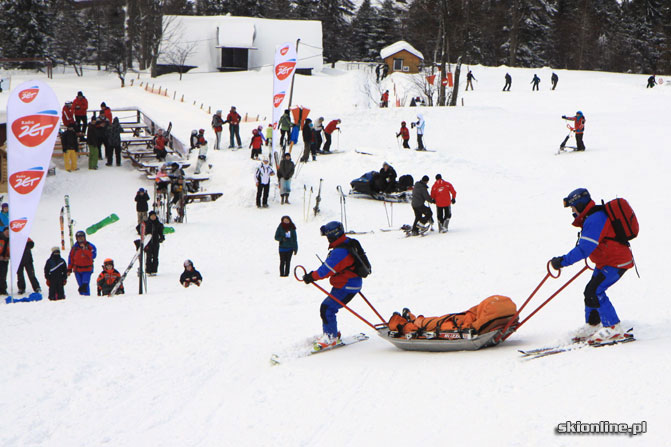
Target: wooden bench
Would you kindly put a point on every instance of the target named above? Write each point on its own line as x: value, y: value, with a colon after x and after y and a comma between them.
x: 137, y: 141
x: 135, y: 128
x: 202, y: 197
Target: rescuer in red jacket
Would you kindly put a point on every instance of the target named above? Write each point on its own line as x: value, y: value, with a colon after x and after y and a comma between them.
x: 445, y: 196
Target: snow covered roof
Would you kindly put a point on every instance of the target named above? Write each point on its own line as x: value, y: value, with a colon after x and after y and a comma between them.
x: 400, y: 46
x: 208, y: 34
x: 232, y: 34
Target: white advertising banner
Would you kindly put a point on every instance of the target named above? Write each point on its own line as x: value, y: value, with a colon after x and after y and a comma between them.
x: 32, y: 127
x: 283, y: 73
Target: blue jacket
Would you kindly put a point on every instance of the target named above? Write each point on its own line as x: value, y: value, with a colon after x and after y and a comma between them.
x: 589, y: 238
x: 339, y: 267
x: 4, y: 219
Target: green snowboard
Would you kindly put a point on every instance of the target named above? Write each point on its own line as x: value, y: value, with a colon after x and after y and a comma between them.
x: 168, y: 230
x: 103, y: 223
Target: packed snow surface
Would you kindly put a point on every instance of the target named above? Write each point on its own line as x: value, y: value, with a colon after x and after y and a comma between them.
x: 190, y: 367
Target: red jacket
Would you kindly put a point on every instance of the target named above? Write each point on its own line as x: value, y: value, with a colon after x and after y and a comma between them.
x: 579, y: 121
x: 385, y: 97
x: 67, y: 115
x: 81, y: 258
x: 405, y: 133
x: 257, y: 141
x: 159, y: 142
x: 330, y: 127
x: 107, y: 113
x: 80, y: 106
x: 233, y: 117
x: 443, y: 192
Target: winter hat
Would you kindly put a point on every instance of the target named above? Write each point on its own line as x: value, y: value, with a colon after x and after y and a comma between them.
x: 102, y: 104
x: 152, y: 213
x: 425, y: 178
x: 55, y: 249
x: 80, y: 94
x: 141, y: 190
x: 439, y: 177
x: 578, y: 198
x: 218, y: 112
x: 5, y: 205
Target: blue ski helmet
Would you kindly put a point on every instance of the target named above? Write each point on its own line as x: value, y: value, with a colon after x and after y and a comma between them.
x: 332, y: 230
x: 578, y: 198
x: 578, y: 113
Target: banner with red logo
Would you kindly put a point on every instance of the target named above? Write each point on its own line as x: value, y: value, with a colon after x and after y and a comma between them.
x: 32, y: 127
x: 283, y: 72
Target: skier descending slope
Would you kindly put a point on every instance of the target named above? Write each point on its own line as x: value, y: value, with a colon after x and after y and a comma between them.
x: 612, y: 259
x: 339, y: 266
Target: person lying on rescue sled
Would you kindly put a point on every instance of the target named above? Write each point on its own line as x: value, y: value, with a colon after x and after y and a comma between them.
x: 612, y: 259
x: 339, y: 267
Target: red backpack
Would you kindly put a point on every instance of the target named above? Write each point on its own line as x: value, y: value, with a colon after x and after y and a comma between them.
x: 623, y: 219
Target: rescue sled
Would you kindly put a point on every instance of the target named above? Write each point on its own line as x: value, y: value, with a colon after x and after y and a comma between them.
x: 487, y: 324
x: 364, y: 188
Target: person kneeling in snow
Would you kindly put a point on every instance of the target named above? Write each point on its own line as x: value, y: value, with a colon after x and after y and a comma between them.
x: 108, y: 279
x: 339, y: 266
x: 190, y: 275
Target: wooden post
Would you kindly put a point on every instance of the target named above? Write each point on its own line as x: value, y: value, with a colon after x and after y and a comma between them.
x: 182, y: 98
x: 174, y: 95
x: 245, y: 120
x: 201, y: 106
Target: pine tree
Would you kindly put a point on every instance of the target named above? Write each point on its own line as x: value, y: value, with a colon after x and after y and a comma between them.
x: 389, y: 24
x: 530, y: 26
x: 365, y: 34
x: 333, y: 15
x: 26, y: 29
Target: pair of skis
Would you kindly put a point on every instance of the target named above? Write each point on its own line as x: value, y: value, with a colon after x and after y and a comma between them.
x: 300, y: 352
x: 573, y: 346
x: 139, y: 254
x: 65, y: 210
x: 318, y: 199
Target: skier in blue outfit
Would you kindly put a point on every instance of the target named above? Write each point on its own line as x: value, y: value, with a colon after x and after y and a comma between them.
x: 339, y: 267
x: 612, y: 258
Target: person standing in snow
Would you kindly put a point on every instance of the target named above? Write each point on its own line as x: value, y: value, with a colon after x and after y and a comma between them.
x: 404, y: 133
x: 269, y: 135
x: 105, y: 112
x: 27, y: 265
x: 80, y: 261
x: 4, y: 216
x: 469, y: 80
x: 141, y: 205
x: 201, y: 144
x: 67, y: 115
x: 339, y: 266
x: 217, y: 124
x: 70, y: 145
x: 612, y: 259
x: 154, y: 227
x: 56, y: 274
x: 535, y: 81
x: 445, y: 196
x: 288, y: 243
x: 384, y: 100
x: 93, y: 137
x: 420, y: 131
x: 190, y: 275
x: 554, y: 79
x: 284, y: 174
x: 509, y: 82
x: 420, y: 194
x: 262, y: 176
x: 328, y: 130
x: 233, y: 119
x: 255, y: 144
x: 651, y: 82
x: 113, y: 147
x: 307, y: 141
x: 80, y: 106
x: 317, y: 135
x: 4, y: 259
x: 578, y: 128
x: 285, y: 126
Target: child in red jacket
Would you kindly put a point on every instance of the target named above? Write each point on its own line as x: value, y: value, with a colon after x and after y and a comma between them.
x: 404, y: 133
x: 255, y: 144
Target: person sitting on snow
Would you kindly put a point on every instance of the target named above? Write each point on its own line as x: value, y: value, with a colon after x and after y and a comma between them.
x: 190, y: 275
x: 339, y: 267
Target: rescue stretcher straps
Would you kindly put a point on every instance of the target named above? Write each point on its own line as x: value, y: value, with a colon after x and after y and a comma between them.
x: 299, y: 278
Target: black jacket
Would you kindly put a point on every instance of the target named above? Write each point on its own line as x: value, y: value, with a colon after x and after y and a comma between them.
x: 56, y: 269
x: 190, y: 277
x: 155, y: 228
x: 69, y: 140
x: 307, y: 133
x: 286, y: 169
x: 142, y: 200
x: 114, y: 134
x: 27, y: 258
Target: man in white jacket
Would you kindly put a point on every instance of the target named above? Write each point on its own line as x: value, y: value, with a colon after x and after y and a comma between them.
x: 263, y: 174
x: 420, y: 131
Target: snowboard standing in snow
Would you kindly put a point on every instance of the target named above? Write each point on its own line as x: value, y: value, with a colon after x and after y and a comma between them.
x: 70, y: 222
x: 318, y: 199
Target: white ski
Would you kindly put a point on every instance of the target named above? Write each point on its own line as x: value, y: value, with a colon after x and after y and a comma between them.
x: 305, y: 351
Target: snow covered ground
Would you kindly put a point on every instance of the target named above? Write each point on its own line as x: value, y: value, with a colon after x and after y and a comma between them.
x: 189, y: 367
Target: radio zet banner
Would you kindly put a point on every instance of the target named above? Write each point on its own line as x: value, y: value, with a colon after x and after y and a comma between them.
x: 283, y: 72
x: 32, y: 127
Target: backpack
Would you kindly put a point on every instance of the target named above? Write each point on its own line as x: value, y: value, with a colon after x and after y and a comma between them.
x: 622, y: 218
x: 361, y: 265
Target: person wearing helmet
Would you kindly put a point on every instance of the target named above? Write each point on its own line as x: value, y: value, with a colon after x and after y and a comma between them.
x: 612, y: 259
x: 108, y: 279
x: 578, y: 128
x: 190, y: 275
x: 4, y: 216
x: 339, y: 267
x: 404, y: 133
x: 262, y: 176
x: 56, y: 274
x: 80, y: 261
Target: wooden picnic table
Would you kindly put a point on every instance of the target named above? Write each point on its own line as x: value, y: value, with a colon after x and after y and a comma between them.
x: 135, y: 128
x: 137, y: 141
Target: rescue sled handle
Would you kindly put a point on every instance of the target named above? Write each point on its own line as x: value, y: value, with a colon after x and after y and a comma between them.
x: 300, y: 278
x: 504, y: 333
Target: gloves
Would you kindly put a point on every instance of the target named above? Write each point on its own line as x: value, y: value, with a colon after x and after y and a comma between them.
x: 556, y: 262
x: 307, y: 278
x: 48, y: 283
x: 295, y: 252
x: 563, y: 116
x: 454, y: 201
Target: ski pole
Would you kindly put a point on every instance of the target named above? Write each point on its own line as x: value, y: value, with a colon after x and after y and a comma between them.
x: 305, y: 192
x: 502, y: 336
x: 330, y: 295
x: 386, y: 212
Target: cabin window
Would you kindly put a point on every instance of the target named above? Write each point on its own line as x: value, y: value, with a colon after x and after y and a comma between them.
x: 398, y: 64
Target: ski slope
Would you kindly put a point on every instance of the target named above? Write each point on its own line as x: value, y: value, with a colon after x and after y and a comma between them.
x: 190, y: 367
